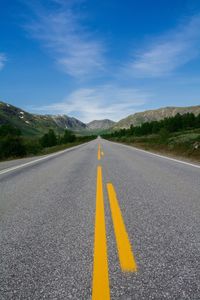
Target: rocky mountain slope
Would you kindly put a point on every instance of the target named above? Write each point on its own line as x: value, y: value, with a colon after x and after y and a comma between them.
x: 155, y: 115
x: 32, y: 124
x: 100, y: 124
x: 67, y: 122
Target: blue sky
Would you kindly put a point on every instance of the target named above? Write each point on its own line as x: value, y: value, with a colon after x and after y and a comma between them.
x: 95, y: 59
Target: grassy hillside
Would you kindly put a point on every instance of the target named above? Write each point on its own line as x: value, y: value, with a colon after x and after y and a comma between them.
x: 100, y: 124
x: 184, y: 144
x: 155, y: 115
x: 178, y: 135
x: 30, y: 125
x: 36, y: 125
x: 13, y: 144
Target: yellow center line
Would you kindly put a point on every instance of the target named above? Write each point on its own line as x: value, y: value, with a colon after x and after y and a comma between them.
x: 100, y: 289
x: 99, y: 152
x: 126, y: 257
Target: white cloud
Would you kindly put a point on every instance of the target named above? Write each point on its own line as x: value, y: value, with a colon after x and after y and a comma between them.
x: 168, y: 52
x: 72, y: 46
x: 101, y: 102
x: 2, y: 60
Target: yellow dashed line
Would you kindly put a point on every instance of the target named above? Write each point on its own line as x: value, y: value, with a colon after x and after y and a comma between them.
x: 99, y: 152
x: 100, y: 289
x: 126, y: 258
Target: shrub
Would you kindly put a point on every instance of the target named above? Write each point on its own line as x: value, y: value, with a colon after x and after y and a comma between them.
x: 12, y: 146
x: 8, y: 129
x: 164, y: 135
x: 68, y: 137
x: 49, y: 139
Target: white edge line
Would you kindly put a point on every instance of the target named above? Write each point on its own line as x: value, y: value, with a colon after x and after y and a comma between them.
x: 158, y: 155
x: 37, y: 160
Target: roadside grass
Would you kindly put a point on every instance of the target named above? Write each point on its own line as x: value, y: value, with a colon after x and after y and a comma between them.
x: 47, y: 150
x: 57, y: 148
x: 184, y: 144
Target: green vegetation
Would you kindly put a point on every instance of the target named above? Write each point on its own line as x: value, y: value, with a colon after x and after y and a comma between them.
x: 13, y: 144
x: 49, y: 139
x: 155, y: 115
x: 32, y: 125
x: 178, y: 135
x: 68, y: 137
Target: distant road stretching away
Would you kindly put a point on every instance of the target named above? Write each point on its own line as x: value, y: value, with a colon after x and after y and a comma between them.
x: 99, y: 221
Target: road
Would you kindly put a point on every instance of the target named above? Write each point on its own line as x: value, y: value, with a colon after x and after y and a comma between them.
x: 100, y: 221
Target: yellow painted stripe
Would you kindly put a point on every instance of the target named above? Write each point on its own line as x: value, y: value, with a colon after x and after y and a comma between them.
x: 126, y: 257
x: 99, y: 152
x: 100, y: 289
x: 102, y: 153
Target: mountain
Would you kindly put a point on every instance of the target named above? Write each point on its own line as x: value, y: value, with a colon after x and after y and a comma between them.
x: 71, y: 123
x: 32, y: 124
x: 155, y: 115
x: 100, y: 124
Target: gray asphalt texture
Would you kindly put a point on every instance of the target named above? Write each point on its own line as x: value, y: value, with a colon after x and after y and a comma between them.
x: 47, y: 214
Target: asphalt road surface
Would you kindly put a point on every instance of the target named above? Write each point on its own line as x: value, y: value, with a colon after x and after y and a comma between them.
x: 100, y: 221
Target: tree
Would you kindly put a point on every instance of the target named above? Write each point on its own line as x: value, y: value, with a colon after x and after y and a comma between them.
x: 197, y: 121
x: 189, y: 120
x: 12, y: 146
x: 164, y: 135
x: 68, y: 137
x: 155, y: 126
x: 49, y: 139
x: 8, y: 129
x: 11, y: 142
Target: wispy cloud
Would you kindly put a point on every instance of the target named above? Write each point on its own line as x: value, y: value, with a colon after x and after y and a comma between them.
x: 101, y: 102
x: 2, y: 60
x: 80, y: 54
x: 73, y: 47
x: 168, y: 52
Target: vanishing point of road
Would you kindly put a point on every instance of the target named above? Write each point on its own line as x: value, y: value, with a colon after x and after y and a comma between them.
x: 99, y: 221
